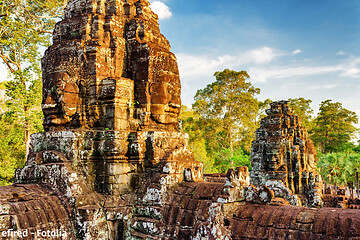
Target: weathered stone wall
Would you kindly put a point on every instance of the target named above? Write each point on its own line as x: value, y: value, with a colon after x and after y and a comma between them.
x: 111, y: 99
x: 108, y: 159
x: 341, y: 201
x: 284, y: 158
x: 27, y: 209
x: 289, y: 222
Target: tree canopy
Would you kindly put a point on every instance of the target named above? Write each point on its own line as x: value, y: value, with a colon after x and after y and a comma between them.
x: 191, y: 124
x: 25, y: 27
x: 333, y: 127
x: 303, y: 110
x: 230, y: 105
x: 227, y: 110
x: 340, y: 168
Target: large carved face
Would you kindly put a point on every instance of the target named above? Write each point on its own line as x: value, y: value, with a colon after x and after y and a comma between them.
x: 275, y: 162
x: 60, y: 99
x: 165, y: 98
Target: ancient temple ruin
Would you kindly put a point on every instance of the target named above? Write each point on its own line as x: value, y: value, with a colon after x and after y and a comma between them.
x: 113, y: 164
x: 284, y: 158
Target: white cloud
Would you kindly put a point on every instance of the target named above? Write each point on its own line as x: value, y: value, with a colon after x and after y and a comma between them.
x: 193, y: 66
x: 259, y: 64
x: 161, y: 9
x: 297, y: 51
x: 341, y: 53
x: 198, y: 66
x: 264, y: 54
x: 278, y: 72
x: 328, y: 86
x: 351, y: 72
x: 351, y: 67
x: 269, y: 67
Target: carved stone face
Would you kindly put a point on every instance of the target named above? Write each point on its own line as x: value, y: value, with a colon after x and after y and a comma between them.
x: 165, y: 99
x: 60, y: 99
x: 275, y: 109
x: 274, y: 162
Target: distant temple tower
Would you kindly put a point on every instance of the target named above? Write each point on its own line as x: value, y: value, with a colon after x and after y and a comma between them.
x: 284, y: 158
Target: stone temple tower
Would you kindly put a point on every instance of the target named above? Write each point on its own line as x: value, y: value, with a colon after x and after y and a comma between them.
x: 111, y: 101
x: 112, y: 84
x: 110, y: 68
x: 284, y: 158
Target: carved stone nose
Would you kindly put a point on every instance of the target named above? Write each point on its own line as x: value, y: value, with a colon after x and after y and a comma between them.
x: 49, y: 103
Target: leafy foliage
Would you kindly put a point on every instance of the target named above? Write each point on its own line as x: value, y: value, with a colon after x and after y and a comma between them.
x: 229, y: 108
x: 223, y: 121
x: 25, y: 26
x: 263, y: 105
x: 357, y: 149
x: 191, y: 123
x: 227, y: 159
x: 333, y: 127
x: 303, y: 110
x: 12, y: 148
x: 339, y: 168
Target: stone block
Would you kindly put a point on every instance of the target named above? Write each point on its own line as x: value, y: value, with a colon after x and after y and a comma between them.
x: 119, y: 168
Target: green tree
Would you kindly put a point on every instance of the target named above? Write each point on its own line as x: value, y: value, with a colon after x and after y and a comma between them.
x: 357, y: 149
x: 263, y: 105
x: 230, y: 159
x: 334, y: 127
x: 191, y: 124
x: 228, y: 108
x: 12, y: 148
x: 303, y: 110
x: 2, y: 98
x: 339, y: 168
x: 25, y: 25
x: 354, y: 170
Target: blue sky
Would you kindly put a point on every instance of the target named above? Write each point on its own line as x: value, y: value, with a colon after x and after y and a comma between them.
x: 290, y: 48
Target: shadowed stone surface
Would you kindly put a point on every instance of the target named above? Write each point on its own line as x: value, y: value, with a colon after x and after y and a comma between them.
x: 32, y: 208
x: 288, y: 222
x: 112, y: 163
